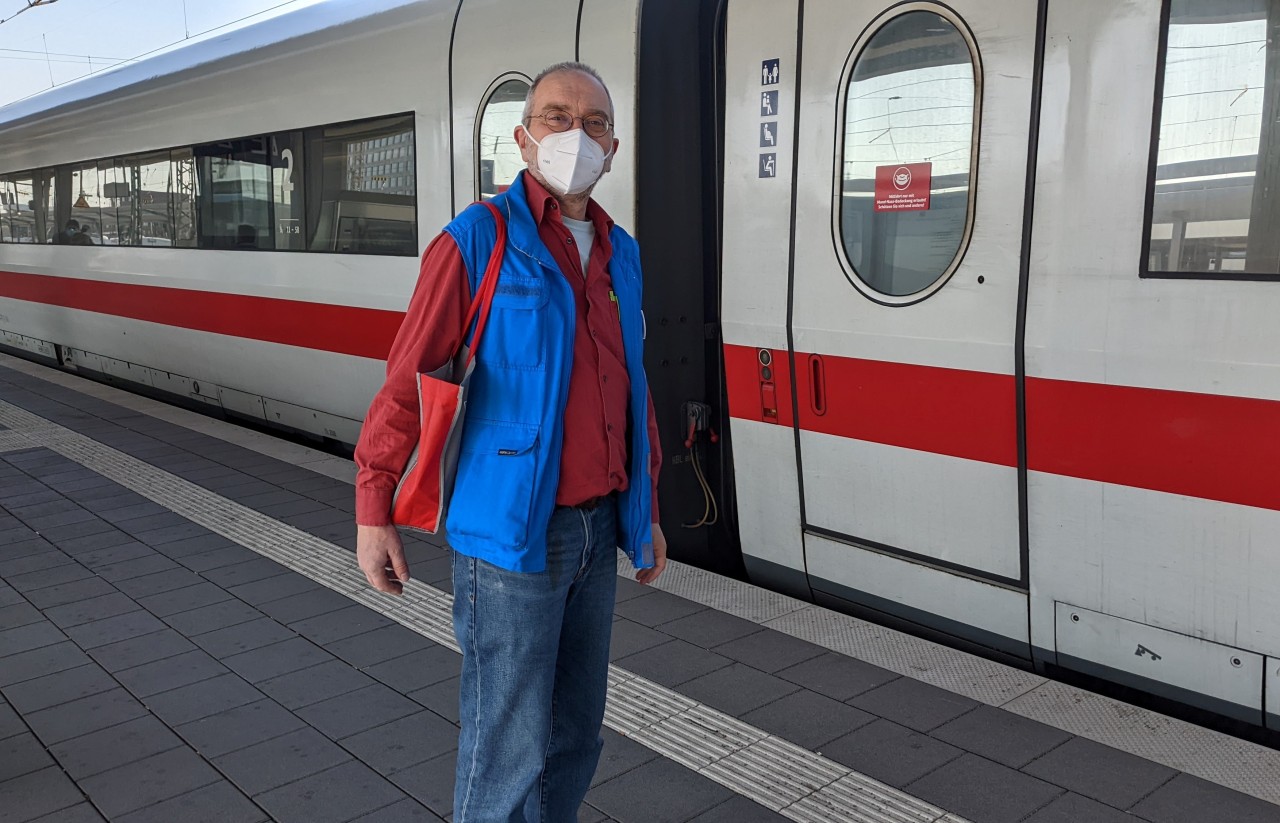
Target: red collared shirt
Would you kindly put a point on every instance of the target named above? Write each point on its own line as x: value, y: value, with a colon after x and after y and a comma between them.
x: 594, y: 458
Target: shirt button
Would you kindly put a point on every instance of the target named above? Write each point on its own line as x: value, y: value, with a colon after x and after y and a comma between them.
x: 610, y: 427
x: 605, y: 379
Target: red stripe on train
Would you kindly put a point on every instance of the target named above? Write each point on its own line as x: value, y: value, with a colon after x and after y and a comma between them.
x: 341, y: 329
x: 1215, y: 447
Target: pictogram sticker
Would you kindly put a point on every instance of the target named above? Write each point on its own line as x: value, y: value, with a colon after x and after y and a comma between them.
x: 769, y: 72
x: 903, y: 187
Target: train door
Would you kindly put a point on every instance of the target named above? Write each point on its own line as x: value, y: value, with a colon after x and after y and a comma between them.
x: 910, y: 177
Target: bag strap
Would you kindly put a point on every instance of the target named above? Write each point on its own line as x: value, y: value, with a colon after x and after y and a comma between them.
x: 488, y: 286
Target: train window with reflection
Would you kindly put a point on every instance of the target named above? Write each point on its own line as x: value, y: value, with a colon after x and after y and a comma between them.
x: 234, y: 194
x: 367, y: 188
x: 86, y: 208
x: 497, y: 154
x: 8, y: 205
x: 909, y: 148
x: 182, y: 196
x: 1215, y: 193
x: 153, y: 199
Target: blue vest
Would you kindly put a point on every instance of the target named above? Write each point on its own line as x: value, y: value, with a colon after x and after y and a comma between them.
x: 509, y: 467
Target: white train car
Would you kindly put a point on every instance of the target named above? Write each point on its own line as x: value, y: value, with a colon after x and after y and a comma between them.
x: 980, y: 294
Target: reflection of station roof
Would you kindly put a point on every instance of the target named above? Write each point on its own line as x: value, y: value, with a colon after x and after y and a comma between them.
x: 294, y: 31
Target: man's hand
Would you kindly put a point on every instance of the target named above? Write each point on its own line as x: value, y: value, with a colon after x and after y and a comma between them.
x: 647, y: 576
x: 381, y: 557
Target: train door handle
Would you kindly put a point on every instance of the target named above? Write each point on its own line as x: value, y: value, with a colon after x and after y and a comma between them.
x: 817, y: 385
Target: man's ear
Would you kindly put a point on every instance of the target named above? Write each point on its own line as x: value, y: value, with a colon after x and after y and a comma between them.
x: 608, y: 162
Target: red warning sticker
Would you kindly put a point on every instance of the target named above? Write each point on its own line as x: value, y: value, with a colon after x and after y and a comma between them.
x: 903, y: 187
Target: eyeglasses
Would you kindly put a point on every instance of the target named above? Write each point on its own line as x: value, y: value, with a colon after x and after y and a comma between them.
x: 593, y: 124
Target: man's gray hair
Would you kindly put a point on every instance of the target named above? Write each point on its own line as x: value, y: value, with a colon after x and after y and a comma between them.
x: 568, y: 65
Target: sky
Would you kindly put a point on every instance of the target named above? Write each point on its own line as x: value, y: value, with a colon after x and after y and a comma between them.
x: 85, y: 35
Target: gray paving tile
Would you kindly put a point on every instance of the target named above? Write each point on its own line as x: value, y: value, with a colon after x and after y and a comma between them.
x: 36, y: 562
x: 208, y: 697
x: 406, y: 811
x: 159, y: 582
x: 348, y: 714
x: 249, y: 571
x: 213, y: 617
x: 242, y: 637
x: 441, y: 698
x: 137, y: 567
x: 630, y: 637
x: 8, y: 597
x: 170, y: 673
x: 36, y: 794
x: 83, y: 545
x: 19, y: 614
x: 430, y: 783
x: 88, y: 714
x: 146, y: 782
x: 115, y: 746
x: 673, y: 663
x: 631, y: 797
x: 1100, y: 772
x: 151, y: 522
x: 272, y: 588
x: 83, y: 813
x: 216, y: 803
x: 10, y: 722
x: 1002, y: 736
x: 808, y: 719
x: 94, y: 608
x: 1074, y: 808
x: 1187, y: 799
x: 31, y: 582
x: 380, y: 645
x: 307, y: 686
x: 340, y: 625
x: 42, y: 661
x: 737, y: 689
x: 739, y: 810
x: 139, y: 650
x: 979, y: 789
x: 281, y: 760
x: 194, y: 545
x: 114, y: 629
x: 62, y: 687
x: 657, y: 607
x: 418, y: 669
x: 183, y: 600
x: 224, y: 556
x: 240, y: 728
x: 332, y: 796
x: 403, y: 742
x: 770, y: 651
x: 289, y: 610
x: 914, y: 704
x: 890, y: 753
x: 124, y: 550
x: 28, y: 637
x: 837, y: 676
x: 302, y: 505
x: 709, y: 628
x: 22, y: 754
x: 277, y: 659
x: 619, y: 756
x: 81, y: 528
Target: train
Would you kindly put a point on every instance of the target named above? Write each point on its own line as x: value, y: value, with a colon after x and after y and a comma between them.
x: 961, y: 316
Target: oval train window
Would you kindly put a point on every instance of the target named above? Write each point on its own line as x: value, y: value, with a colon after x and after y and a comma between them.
x: 497, y: 154
x: 909, y: 149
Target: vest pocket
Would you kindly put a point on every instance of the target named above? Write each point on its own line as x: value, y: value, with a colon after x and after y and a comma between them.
x: 515, y: 337
x: 497, y: 474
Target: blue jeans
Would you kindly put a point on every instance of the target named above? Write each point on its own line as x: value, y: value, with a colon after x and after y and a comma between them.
x: 535, y: 663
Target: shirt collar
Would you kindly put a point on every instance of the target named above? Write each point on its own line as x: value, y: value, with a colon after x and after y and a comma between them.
x: 544, y: 207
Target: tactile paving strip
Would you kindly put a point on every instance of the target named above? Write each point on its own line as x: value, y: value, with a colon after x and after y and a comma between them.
x: 792, y: 781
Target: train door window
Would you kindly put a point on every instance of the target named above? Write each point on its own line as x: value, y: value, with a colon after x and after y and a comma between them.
x: 86, y: 208
x: 1214, y: 194
x: 288, y: 191
x: 497, y: 154
x: 362, y: 207
x: 234, y: 194
x: 909, y: 150
x: 182, y: 194
x: 117, y: 204
x: 24, y: 215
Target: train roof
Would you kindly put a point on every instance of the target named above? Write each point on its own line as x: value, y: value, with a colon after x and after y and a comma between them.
x: 303, y: 28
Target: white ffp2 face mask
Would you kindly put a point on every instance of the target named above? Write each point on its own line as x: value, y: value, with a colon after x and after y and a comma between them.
x: 570, y: 161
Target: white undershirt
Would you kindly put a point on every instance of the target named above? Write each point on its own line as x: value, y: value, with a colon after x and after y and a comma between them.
x: 584, y: 235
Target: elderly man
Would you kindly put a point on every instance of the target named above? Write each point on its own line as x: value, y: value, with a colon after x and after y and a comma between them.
x: 557, y: 468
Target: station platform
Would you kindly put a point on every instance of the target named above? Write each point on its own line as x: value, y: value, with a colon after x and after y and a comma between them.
x: 185, y: 637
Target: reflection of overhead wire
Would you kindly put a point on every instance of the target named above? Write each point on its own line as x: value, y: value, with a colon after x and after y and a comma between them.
x: 59, y: 54
x: 906, y: 111
x: 908, y: 85
x: 1219, y: 45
